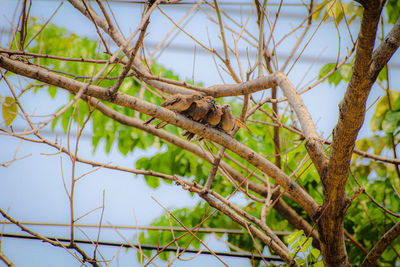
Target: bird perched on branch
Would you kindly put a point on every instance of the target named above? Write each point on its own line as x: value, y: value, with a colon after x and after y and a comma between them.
x: 213, y: 117
x: 200, y: 108
x: 199, y: 111
x: 228, y: 121
x: 178, y: 103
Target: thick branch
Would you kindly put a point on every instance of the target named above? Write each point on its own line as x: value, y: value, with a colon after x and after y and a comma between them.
x: 385, y: 50
x: 352, y: 107
x: 313, y: 143
x: 280, y: 206
x: 351, y: 118
x: 381, y: 245
x: 121, y: 99
x: 249, y: 87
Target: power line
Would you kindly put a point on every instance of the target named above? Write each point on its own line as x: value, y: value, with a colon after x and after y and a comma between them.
x: 151, y: 228
x: 150, y: 247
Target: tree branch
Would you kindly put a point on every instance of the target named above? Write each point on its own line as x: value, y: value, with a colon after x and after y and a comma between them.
x: 313, y: 143
x: 381, y: 245
x: 52, y: 242
x: 181, y: 121
x: 231, y: 211
x: 351, y: 118
x: 280, y: 206
x: 385, y: 50
x: 6, y: 260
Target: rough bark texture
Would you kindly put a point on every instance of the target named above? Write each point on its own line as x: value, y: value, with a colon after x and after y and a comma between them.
x: 351, y: 117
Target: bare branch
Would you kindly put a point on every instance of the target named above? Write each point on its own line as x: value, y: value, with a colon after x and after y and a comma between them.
x: 6, y: 260
x: 48, y: 240
x: 248, y: 154
x: 313, y: 143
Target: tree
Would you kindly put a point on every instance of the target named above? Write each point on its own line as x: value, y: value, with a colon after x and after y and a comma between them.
x: 312, y: 185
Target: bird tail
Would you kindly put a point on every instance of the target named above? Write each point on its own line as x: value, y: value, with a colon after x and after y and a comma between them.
x: 161, y: 124
x: 149, y: 121
x: 241, y: 124
x: 188, y: 135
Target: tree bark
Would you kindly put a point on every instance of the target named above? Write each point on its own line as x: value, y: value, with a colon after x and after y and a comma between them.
x: 351, y: 118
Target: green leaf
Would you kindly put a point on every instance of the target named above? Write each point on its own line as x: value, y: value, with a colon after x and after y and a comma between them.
x: 66, y: 118
x: 391, y: 121
x: 382, y: 74
x: 393, y: 10
x: 382, y: 107
x: 396, y: 105
x: 325, y: 70
x: 315, y: 253
x: 344, y: 73
x: 152, y: 181
x: 319, y: 9
x: 52, y: 91
x: 10, y: 109
x: 307, y: 244
x: 294, y: 236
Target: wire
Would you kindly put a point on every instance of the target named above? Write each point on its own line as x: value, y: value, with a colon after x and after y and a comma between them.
x: 150, y: 247
x: 151, y: 228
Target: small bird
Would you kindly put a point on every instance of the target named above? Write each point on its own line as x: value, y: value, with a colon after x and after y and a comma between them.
x: 198, y: 111
x: 200, y: 108
x: 178, y: 103
x: 213, y: 117
x: 227, y: 119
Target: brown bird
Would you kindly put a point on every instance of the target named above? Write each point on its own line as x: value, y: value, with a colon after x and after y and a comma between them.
x: 178, y: 103
x: 213, y: 117
x: 181, y: 102
x: 227, y: 119
x: 198, y: 111
x: 200, y: 108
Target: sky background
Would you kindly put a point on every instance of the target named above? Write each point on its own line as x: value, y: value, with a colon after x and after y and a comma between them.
x: 32, y: 188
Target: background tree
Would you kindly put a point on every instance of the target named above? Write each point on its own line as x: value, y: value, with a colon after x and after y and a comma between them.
x: 339, y: 198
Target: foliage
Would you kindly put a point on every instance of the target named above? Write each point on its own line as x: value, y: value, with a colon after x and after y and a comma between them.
x: 302, y: 250
x: 9, y: 109
x: 393, y: 10
x: 337, y: 10
x: 374, y: 176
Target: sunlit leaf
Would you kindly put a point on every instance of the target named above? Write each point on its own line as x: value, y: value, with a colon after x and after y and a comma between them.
x: 381, y: 108
x: 294, y: 236
x: 391, y: 121
x: 9, y: 108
